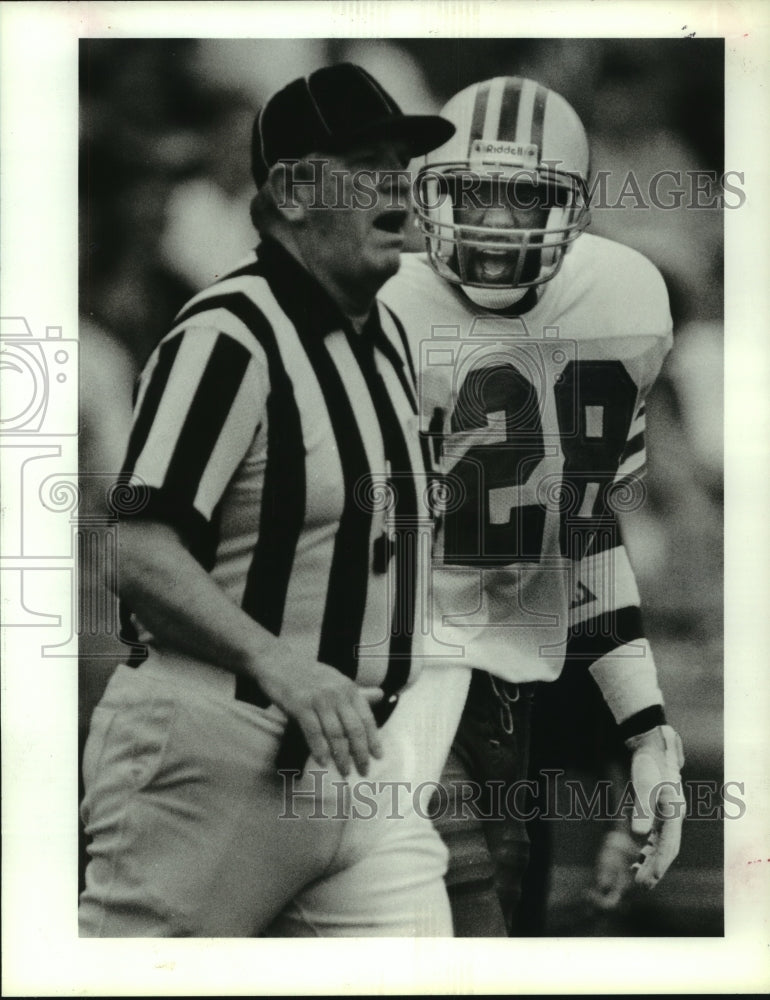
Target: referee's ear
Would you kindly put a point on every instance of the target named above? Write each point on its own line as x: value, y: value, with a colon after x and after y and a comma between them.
x: 293, y: 188
x: 271, y: 205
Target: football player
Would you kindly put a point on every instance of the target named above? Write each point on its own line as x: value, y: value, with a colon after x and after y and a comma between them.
x: 538, y: 344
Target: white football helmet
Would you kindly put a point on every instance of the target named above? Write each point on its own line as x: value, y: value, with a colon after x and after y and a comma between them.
x: 502, y: 200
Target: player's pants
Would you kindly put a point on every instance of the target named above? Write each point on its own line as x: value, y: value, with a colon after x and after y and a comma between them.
x: 482, y: 820
x: 193, y: 833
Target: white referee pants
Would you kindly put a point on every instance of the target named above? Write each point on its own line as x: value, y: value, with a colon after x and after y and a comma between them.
x: 194, y: 834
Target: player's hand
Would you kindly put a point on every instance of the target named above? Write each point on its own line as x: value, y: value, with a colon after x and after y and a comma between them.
x: 657, y: 758
x: 612, y: 872
x: 332, y: 711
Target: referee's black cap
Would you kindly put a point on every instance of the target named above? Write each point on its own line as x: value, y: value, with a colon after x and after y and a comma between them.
x: 335, y: 108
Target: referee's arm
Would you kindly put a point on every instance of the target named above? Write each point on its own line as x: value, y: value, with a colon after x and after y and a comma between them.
x: 176, y: 599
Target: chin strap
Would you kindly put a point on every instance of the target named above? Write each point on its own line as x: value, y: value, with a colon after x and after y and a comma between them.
x: 493, y: 298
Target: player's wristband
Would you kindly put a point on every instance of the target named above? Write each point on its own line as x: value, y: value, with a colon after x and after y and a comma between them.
x: 628, y: 681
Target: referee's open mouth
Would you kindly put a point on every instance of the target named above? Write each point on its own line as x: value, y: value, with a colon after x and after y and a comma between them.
x: 392, y: 221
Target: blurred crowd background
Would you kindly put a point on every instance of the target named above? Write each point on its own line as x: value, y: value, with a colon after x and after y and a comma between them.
x: 165, y: 186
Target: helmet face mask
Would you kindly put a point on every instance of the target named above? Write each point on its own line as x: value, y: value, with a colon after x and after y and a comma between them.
x: 497, y: 232
x: 499, y: 215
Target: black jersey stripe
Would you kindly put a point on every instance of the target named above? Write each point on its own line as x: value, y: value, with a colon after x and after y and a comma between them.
x: 211, y: 404
x: 345, y: 606
x: 538, y: 118
x: 143, y: 422
x: 404, y: 343
x: 597, y: 636
x: 192, y: 527
x: 339, y: 607
x: 479, y: 113
x: 424, y: 440
x: 410, y: 390
x: 509, y: 110
x: 151, y: 401
x: 405, y: 552
x: 284, y: 489
x: 426, y: 459
x: 387, y: 348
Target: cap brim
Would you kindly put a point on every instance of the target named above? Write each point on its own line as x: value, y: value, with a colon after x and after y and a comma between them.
x: 421, y: 133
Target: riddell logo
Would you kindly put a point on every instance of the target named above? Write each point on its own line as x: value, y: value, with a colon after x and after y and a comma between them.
x: 504, y: 147
x: 513, y: 153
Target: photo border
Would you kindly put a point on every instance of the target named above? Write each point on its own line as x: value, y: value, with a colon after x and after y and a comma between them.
x: 38, y: 247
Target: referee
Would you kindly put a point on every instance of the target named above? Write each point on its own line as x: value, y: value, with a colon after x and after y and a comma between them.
x: 271, y: 570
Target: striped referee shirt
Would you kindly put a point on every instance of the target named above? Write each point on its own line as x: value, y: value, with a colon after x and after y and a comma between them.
x: 283, y: 447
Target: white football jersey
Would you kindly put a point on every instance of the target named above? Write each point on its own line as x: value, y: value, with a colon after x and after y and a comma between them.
x: 536, y: 424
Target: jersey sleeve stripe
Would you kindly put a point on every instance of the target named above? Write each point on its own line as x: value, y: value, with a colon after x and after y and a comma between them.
x: 642, y: 721
x: 189, y: 365
x: 608, y: 576
x: 148, y: 401
x: 198, y: 534
x: 593, y: 638
x: 244, y: 419
x: 207, y: 415
x: 284, y: 492
x: 194, y: 529
x: 221, y: 320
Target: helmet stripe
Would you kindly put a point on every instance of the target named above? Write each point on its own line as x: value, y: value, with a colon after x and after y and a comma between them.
x: 509, y: 112
x: 538, y: 117
x: 479, y: 113
x: 526, y: 106
x: 492, y: 118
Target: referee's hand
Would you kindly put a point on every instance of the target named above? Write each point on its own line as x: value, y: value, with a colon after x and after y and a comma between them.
x: 332, y: 711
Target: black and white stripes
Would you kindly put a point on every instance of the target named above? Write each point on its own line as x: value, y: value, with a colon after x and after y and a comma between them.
x: 510, y: 109
x: 256, y: 420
